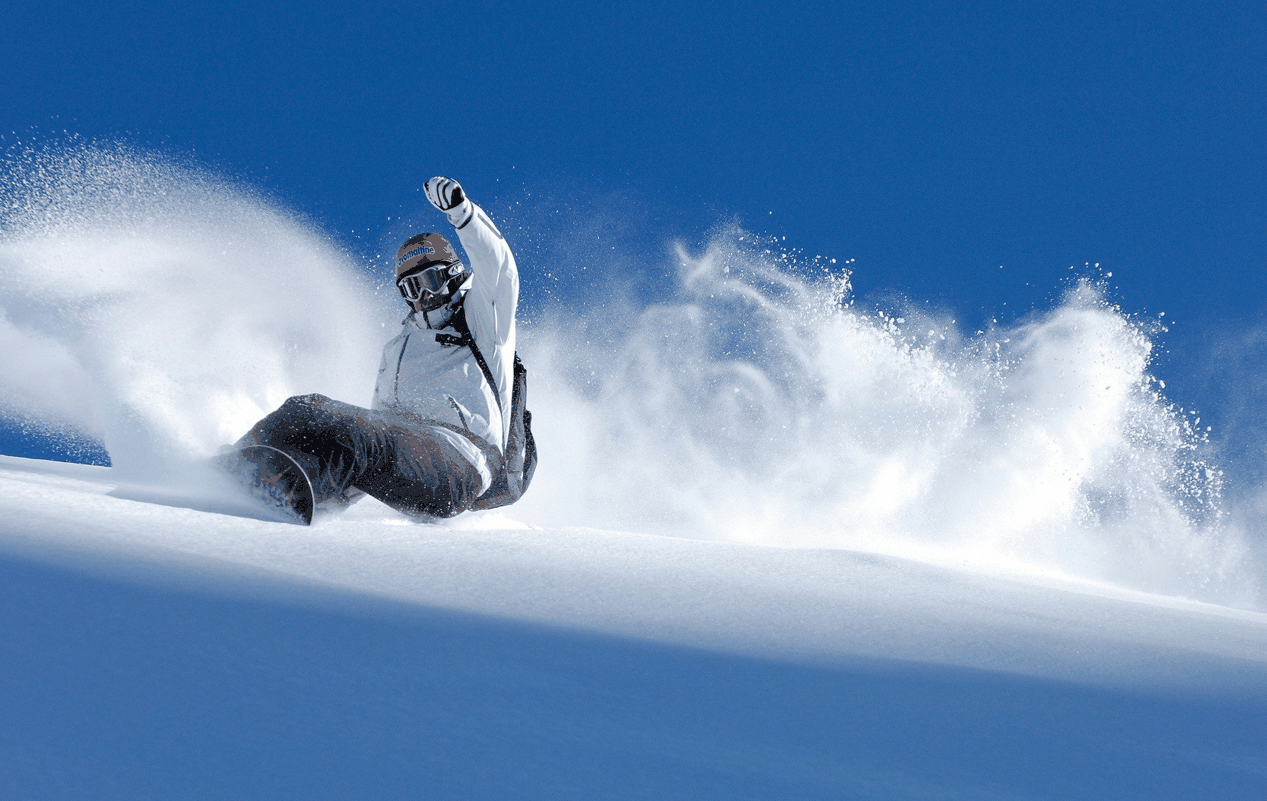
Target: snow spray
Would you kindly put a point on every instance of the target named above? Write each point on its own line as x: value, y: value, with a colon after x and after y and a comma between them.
x: 759, y: 404
x: 165, y: 310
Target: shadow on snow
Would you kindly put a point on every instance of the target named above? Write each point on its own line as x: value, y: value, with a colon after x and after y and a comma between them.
x: 110, y: 687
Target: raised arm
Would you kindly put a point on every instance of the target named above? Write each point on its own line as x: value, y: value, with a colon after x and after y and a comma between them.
x: 495, y: 283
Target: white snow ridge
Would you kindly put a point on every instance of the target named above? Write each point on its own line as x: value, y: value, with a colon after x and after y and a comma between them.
x: 777, y: 547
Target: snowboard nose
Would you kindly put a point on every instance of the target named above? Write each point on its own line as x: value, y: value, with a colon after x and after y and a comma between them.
x: 276, y: 479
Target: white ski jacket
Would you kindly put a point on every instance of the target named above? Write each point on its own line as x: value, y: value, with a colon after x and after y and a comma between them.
x: 422, y: 374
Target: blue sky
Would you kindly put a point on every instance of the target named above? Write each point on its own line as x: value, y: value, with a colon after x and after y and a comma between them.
x: 930, y: 142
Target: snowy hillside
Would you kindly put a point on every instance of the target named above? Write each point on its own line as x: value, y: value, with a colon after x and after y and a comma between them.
x: 161, y: 651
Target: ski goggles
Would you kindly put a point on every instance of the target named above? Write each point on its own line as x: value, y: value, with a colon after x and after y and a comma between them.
x: 430, y: 281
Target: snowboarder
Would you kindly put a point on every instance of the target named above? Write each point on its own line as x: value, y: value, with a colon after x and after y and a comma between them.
x: 447, y: 430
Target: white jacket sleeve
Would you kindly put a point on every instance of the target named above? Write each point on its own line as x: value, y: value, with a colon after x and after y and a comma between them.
x: 493, y: 297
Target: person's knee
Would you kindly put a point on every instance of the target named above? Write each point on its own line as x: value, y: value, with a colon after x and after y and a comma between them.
x: 295, y: 418
x: 302, y: 403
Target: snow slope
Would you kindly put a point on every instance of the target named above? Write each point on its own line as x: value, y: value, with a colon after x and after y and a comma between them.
x: 161, y: 651
x: 778, y: 546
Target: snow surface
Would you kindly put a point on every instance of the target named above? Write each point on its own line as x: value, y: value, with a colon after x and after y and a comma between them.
x: 158, y: 650
x: 777, y: 547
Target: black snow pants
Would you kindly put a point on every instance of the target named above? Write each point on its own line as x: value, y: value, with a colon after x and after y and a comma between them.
x: 403, y: 461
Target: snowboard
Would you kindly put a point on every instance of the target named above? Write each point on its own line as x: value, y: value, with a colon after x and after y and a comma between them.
x: 273, y: 477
